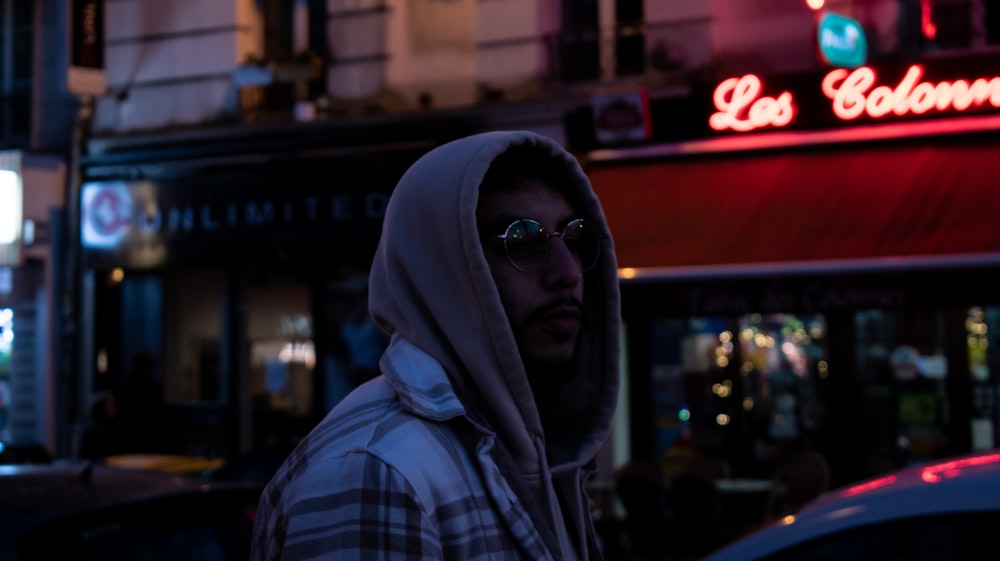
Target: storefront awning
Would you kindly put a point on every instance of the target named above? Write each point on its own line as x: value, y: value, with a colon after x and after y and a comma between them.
x: 844, y: 206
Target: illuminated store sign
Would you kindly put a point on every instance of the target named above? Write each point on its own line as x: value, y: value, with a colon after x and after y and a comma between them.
x: 855, y: 94
x: 11, y: 208
x: 86, y: 75
x: 146, y: 224
x: 840, y: 41
x: 743, y: 104
x: 622, y: 117
x: 742, y: 108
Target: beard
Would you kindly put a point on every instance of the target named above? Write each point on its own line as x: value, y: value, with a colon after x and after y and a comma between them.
x: 552, y: 387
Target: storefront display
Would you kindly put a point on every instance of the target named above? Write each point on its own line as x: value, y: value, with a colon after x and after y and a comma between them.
x: 812, y: 266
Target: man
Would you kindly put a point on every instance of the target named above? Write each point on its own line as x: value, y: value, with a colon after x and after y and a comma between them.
x: 495, y: 277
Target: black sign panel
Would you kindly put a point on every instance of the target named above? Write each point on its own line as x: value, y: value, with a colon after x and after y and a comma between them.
x: 88, y: 33
x: 86, y: 56
x: 289, y: 213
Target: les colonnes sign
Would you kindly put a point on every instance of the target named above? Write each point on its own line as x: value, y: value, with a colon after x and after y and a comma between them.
x: 744, y: 104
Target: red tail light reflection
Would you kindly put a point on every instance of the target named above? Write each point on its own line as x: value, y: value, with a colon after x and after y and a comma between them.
x: 868, y: 486
x: 934, y: 473
x: 930, y: 473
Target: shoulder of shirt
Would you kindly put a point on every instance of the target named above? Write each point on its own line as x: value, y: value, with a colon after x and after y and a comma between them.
x: 426, y: 453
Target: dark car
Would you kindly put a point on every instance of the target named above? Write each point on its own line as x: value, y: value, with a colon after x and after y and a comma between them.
x: 79, y: 511
x: 942, y: 510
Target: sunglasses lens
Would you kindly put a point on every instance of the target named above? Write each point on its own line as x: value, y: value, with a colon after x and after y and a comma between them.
x: 527, y: 244
x: 527, y: 247
x: 583, y: 241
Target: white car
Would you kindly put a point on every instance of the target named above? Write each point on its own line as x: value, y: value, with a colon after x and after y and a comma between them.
x: 945, y: 510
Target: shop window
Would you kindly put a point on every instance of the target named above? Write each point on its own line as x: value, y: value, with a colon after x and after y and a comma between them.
x: 310, y: 344
x: 982, y: 327
x: 282, y: 360
x: 743, y: 388
x: 784, y: 365
x: 193, y: 320
x: 924, y: 383
x: 353, y: 344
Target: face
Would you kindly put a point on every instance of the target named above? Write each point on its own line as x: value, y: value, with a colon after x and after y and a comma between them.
x: 545, y: 306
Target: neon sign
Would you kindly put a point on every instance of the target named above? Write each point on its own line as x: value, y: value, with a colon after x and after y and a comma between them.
x: 853, y: 94
x: 741, y: 107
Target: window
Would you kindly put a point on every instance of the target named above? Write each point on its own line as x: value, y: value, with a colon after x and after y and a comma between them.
x: 630, y: 38
x: 951, y: 25
x: 583, y: 45
x: 579, y: 47
x: 732, y: 383
x: 16, y: 54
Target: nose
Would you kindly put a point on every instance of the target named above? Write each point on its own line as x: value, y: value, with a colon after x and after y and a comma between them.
x: 563, y: 268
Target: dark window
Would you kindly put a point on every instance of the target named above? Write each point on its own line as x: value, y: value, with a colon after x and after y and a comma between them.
x: 953, y: 21
x: 991, y: 23
x: 630, y: 38
x: 948, y: 25
x: 16, y: 38
x: 579, y: 45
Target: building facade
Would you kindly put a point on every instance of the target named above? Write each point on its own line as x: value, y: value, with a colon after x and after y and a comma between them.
x: 37, y: 119
x: 790, y: 275
x: 234, y: 171
x: 834, y: 275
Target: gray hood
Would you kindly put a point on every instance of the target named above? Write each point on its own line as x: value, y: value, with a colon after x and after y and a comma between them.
x: 431, y: 285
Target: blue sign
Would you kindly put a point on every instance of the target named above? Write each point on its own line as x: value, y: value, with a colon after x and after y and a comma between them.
x: 841, y: 41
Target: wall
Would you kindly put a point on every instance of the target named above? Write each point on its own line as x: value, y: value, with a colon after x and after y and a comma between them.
x: 773, y: 36
x: 678, y: 36
x: 171, y: 63
x: 432, y: 48
x: 357, y: 32
x: 513, y: 55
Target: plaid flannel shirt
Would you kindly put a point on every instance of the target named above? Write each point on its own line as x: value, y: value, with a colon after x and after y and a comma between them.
x: 380, y: 480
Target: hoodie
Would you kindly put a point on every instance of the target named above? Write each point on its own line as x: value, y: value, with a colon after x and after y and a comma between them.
x: 450, y: 427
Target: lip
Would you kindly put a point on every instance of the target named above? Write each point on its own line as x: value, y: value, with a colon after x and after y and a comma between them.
x: 562, y: 319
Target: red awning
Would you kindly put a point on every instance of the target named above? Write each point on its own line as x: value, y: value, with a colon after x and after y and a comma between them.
x: 852, y: 203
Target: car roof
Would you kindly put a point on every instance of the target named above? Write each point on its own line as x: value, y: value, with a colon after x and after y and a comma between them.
x: 967, y: 483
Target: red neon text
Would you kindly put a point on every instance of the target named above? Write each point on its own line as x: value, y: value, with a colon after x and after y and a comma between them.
x: 742, y: 108
x: 853, y: 94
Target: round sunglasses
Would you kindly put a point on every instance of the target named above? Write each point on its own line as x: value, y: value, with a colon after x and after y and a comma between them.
x: 527, y: 244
